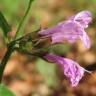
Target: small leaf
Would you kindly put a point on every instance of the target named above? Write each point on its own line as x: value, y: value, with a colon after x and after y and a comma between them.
x: 4, y: 25
x: 5, y: 91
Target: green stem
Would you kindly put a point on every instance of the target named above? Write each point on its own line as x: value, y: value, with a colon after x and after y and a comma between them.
x: 5, y: 60
x: 18, y: 33
x: 11, y: 44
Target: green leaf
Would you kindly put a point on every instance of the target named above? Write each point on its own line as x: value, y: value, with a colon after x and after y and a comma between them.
x: 5, y: 91
x: 4, y: 25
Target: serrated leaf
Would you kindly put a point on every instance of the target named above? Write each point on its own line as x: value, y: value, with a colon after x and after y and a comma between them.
x: 4, y: 91
x: 4, y: 25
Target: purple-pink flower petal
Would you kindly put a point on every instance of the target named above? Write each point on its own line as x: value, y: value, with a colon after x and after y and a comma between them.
x: 85, y: 39
x: 72, y: 70
x: 84, y: 18
x: 69, y: 31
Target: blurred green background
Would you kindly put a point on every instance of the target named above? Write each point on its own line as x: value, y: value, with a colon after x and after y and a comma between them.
x: 29, y: 76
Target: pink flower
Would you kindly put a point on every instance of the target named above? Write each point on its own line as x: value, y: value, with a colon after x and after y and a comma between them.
x: 70, y: 30
x: 72, y: 70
